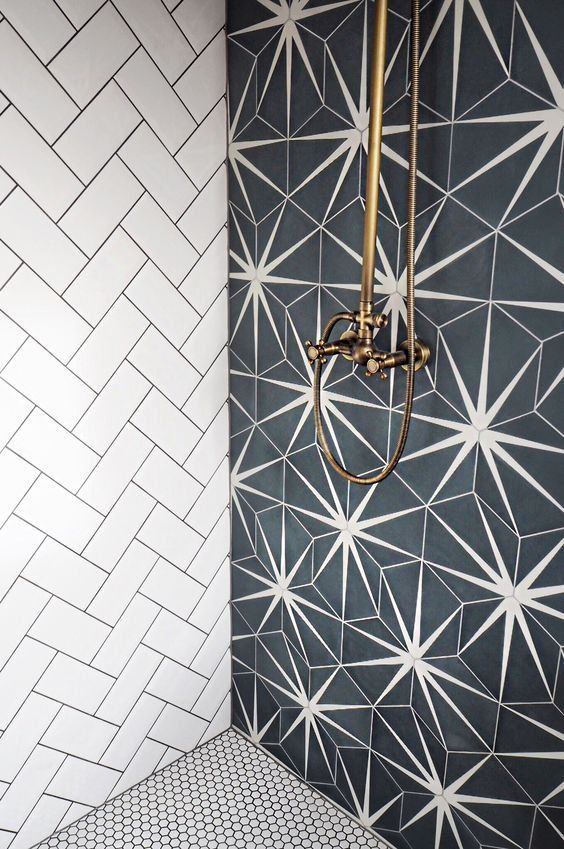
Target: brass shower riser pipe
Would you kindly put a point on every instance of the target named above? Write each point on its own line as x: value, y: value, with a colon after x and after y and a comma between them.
x: 378, y: 72
x: 358, y: 344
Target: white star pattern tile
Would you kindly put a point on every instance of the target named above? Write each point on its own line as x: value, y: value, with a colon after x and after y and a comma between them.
x: 400, y: 647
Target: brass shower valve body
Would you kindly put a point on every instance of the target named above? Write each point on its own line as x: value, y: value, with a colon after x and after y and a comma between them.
x: 358, y: 346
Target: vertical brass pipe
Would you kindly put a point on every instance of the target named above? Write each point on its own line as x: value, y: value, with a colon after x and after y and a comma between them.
x: 378, y: 70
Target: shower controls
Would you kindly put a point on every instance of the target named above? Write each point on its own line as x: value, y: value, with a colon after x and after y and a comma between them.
x: 358, y: 343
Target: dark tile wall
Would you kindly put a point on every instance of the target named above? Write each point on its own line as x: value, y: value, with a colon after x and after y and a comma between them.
x: 400, y: 648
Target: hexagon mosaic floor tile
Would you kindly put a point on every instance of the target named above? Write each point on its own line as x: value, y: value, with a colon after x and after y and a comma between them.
x: 227, y: 793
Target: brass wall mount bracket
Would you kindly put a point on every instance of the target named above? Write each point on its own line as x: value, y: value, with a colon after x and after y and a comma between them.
x: 422, y: 354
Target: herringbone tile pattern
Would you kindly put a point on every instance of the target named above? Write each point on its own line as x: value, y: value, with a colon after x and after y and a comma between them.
x: 114, y: 531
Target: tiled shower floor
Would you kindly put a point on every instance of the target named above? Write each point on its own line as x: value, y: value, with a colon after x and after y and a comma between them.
x: 227, y: 793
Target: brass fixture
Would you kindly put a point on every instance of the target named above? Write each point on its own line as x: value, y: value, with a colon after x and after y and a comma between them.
x: 358, y: 343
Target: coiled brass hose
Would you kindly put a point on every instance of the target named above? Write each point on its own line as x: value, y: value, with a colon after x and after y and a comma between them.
x: 410, y: 264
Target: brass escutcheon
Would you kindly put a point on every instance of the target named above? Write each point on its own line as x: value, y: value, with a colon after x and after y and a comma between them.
x: 422, y: 354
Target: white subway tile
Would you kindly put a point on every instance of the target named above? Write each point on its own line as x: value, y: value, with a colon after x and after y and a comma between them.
x: 205, y: 217
x: 78, y: 11
x: 43, y: 819
x: 215, y: 691
x: 74, y: 813
x: 42, y: 378
x: 18, y: 542
x: 109, y: 344
x: 133, y: 731
x: 79, y: 734
x: 171, y: 588
x: 101, y: 207
x: 124, y: 581
x: 53, y: 450
x: 158, y: 299
x: 175, y: 684
x: 69, y: 630
x: 9, y: 262
x: 119, y: 527
x: 135, y: 664
x: 211, y: 449
x: 100, y: 302
x: 43, y: 314
x: 65, y: 574
x: 93, y: 138
x: 176, y: 639
x: 74, y: 683
x: 159, y: 172
x: 203, y: 84
x: 160, y: 239
x: 94, y: 55
x: 175, y: 727
x: 16, y: 478
x: 213, y: 552
x: 113, y: 407
x: 206, y: 148
x: 158, y: 33
x: 156, y: 101
x: 208, y: 338
x: 11, y: 338
x: 213, y: 649
x: 220, y: 722
x: 171, y: 754
x: 27, y: 157
x: 59, y: 514
x: 13, y: 410
x: 214, y: 599
x: 161, y: 363
x: 30, y: 86
x: 20, y: 675
x: 209, y: 275
x: 6, y: 183
x: 38, y: 241
x: 105, y: 277
x: 19, y: 608
x: 200, y: 20
x: 41, y: 23
x: 20, y: 798
x: 170, y: 537
x: 144, y: 762
x: 168, y: 483
x: 212, y: 501
x: 24, y: 733
x: 116, y: 468
x: 82, y: 781
x: 210, y: 394
x: 166, y: 425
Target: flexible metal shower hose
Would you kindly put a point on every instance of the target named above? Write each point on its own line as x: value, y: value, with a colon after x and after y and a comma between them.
x: 410, y: 263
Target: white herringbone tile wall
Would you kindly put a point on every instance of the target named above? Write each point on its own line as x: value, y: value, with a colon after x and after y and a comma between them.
x: 114, y: 530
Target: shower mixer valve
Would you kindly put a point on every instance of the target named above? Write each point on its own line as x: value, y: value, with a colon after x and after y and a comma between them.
x: 358, y: 345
